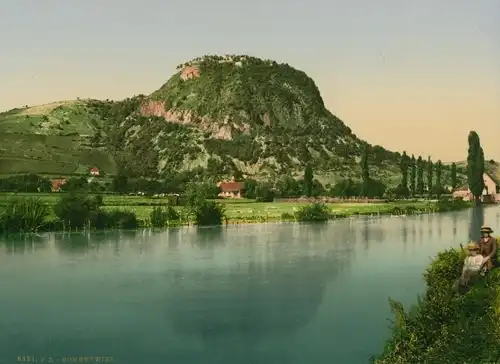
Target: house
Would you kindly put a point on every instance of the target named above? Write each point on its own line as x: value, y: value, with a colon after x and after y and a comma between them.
x: 95, y: 171
x: 57, y: 184
x: 491, y: 192
x: 230, y: 189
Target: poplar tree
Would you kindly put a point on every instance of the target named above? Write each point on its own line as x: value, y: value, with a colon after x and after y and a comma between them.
x: 308, y: 180
x: 475, y: 166
x: 365, y: 173
x: 453, y: 175
x: 420, y: 176
x: 438, y: 187
x: 403, y: 165
x: 430, y: 171
x: 413, y: 176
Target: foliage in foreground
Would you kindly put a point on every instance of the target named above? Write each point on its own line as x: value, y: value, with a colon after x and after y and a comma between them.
x: 446, y: 328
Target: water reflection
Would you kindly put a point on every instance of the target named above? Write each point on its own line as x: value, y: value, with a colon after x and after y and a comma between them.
x: 404, y: 231
x: 23, y: 244
x: 476, y: 220
x: 251, y: 299
x: 454, y: 219
x: 209, y: 237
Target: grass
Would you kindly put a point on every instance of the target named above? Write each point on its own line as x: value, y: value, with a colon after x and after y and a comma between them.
x: 237, y: 211
x: 444, y: 327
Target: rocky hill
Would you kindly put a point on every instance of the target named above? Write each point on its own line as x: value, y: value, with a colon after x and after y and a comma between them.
x: 228, y: 115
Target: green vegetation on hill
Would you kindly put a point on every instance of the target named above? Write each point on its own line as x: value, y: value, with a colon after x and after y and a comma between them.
x: 52, y: 139
x: 236, y: 116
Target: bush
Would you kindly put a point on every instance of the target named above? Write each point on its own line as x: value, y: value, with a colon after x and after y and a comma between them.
x: 209, y: 213
x: 264, y: 193
x: 160, y: 218
x: 24, y: 215
x: 286, y: 216
x: 75, y: 210
x: 444, y: 327
x: 114, y: 219
x: 314, y: 212
x: 120, y: 219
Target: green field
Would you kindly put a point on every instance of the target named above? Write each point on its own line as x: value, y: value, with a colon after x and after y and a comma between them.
x: 236, y: 210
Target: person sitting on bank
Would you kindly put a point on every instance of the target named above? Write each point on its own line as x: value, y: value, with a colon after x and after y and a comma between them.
x: 488, y: 247
x: 473, y: 264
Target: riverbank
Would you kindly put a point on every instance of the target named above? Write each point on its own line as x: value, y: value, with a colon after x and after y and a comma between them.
x: 138, y: 210
x: 446, y: 328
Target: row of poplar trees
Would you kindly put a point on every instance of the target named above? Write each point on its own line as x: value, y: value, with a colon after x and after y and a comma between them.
x: 413, y: 170
x: 412, y: 176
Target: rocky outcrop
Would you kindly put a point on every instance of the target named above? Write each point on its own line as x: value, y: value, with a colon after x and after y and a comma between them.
x: 190, y: 72
x: 217, y: 130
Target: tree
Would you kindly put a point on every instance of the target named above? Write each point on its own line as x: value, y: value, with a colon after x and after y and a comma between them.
x: 403, y: 165
x: 76, y: 184
x: 413, y: 176
x: 453, y: 175
x: 120, y: 183
x: 430, y: 171
x: 475, y: 166
x: 420, y: 176
x: 308, y: 180
x: 365, y: 173
x: 438, y: 188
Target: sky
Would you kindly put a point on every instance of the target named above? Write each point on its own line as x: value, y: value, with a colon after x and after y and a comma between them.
x: 412, y: 76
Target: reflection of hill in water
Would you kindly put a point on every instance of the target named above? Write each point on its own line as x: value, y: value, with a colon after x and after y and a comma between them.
x: 273, y: 290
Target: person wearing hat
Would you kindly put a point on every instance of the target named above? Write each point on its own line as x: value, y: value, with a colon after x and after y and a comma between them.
x: 473, y: 264
x: 488, y: 247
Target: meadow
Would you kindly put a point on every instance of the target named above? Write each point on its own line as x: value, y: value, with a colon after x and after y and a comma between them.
x: 243, y: 210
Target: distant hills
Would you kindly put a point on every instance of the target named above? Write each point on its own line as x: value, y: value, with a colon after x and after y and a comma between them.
x: 218, y: 116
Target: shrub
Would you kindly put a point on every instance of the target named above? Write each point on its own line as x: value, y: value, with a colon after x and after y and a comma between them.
x: 24, y: 215
x: 264, y: 193
x: 314, y: 212
x: 114, y: 219
x: 444, y: 327
x: 286, y: 216
x: 209, y: 213
x: 120, y: 219
x: 160, y: 218
x: 75, y: 209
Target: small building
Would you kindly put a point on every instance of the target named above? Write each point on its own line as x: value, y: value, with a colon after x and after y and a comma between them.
x: 57, y: 184
x: 231, y: 189
x: 95, y: 171
x: 491, y: 192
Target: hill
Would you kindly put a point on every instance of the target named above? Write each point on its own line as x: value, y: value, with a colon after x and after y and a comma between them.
x: 51, y: 139
x: 216, y: 115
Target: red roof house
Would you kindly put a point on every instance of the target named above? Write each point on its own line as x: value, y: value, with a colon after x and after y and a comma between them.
x: 94, y: 171
x: 57, y: 184
x: 231, y: 189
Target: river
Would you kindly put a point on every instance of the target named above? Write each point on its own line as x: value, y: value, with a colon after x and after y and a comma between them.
x: 264, y: 294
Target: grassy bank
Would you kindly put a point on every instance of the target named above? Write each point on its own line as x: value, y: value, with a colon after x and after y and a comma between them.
x: 249, y: 211
x: 445, y: 328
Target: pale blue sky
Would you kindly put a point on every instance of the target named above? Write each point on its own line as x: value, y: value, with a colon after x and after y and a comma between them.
x: 395, y: 71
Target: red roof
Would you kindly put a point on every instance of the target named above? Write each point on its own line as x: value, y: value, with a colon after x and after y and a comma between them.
x: 57, y: 183
x: 231, y: 186
x: 94, y: 169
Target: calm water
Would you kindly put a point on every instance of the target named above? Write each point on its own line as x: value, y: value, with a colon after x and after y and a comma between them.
x: 265, y: 294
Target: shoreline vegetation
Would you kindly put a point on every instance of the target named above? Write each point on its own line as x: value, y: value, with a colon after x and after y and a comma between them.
x: 444, y: 327
x: 76, y: 211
